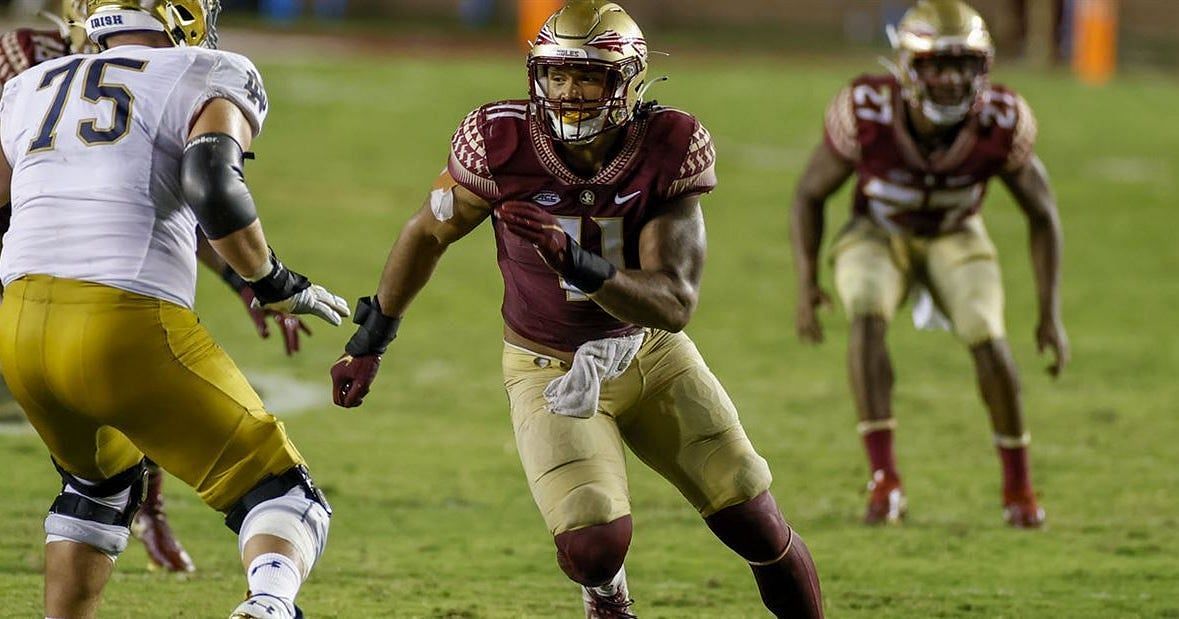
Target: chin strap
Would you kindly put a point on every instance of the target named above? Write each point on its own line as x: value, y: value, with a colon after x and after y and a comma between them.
x: 645, y: 87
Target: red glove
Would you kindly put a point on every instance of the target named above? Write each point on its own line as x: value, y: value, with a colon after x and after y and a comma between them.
x: 580, y: 267
x: 352, y: 377
x: 529, y: 222
x: 288, y: 324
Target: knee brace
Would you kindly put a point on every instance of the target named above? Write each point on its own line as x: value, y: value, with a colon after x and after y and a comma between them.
x: 97, y: 514
x: 288, y: 506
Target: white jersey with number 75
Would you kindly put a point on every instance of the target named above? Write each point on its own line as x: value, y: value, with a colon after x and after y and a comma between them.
x: 95, y: 143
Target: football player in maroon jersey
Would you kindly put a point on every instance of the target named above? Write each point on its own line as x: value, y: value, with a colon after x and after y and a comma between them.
x: 923, y: 143
x: 595, y: 201
x: 26, y: 47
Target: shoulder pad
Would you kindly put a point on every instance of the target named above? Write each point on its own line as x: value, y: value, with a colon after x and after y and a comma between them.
x: 839, y: 126
x: 469, y: 162
x: 23, y: 48
x: 696, y: 169
x: 234, y: 77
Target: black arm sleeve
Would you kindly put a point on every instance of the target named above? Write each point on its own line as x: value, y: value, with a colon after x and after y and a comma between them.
x: 214, y: 186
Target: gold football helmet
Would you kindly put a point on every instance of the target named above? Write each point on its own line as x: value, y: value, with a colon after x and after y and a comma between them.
x: 186, y: 22
x: 71, y: 23
x: 74, y: 30
x: 944, y: 53
x: 595, y: 37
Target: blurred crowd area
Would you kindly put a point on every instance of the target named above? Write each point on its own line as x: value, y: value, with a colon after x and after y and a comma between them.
x: 1042, y: 31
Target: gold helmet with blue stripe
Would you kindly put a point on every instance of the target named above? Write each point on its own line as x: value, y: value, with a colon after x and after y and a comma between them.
x: 185, y: 22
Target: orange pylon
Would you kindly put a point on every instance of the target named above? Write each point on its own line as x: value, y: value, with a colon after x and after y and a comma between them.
x: 1095, y: 40
x: 531, y: 15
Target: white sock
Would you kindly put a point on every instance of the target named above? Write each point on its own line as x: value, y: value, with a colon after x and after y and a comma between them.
x: 275, y: 575
x: 617, y: 583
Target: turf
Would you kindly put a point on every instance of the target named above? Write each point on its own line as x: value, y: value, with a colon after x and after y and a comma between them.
x: 433, y: 517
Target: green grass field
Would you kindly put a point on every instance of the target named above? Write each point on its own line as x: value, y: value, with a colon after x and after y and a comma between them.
x: 433, y: 516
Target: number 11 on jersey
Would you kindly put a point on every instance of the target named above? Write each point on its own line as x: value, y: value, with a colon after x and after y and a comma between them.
x: 611, y: 234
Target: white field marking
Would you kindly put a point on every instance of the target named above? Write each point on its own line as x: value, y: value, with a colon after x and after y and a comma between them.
x: 433, y: 372
x: 288, y: 397
x: 1132, y: 170
x: 284, y: 397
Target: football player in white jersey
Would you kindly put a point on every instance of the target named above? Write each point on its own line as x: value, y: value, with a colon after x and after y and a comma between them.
x: 23, y: 48
x: 111, y: 161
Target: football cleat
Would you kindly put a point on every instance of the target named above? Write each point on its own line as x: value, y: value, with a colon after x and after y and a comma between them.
x: 151, y: 527
x: 617, y: 606
x: 1022, y: 512
x: 886, y: 500
x: 262, y: 606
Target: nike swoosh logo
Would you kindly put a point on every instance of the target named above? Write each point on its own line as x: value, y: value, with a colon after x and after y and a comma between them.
x: 620, y: 199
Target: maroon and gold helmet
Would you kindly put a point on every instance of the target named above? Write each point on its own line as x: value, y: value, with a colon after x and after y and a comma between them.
x: 944, y: 55
x: 590, y: 35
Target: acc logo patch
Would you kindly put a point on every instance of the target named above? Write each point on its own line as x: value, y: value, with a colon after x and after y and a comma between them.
x: 547, y: 198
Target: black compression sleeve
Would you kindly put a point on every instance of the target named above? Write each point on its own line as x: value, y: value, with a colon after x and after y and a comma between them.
x: 214, y: 186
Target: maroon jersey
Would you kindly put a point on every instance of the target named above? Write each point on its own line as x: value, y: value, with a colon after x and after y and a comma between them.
x: 23, y: 48
x: 906, y: 191
x: 500, y: 153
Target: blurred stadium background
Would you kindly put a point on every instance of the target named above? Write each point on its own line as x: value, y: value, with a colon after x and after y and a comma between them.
x: 433, y: 516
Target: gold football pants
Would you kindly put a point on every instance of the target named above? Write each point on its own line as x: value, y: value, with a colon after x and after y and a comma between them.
x: 667, y: 407
x: 875, y: 269
x: 106, y: 376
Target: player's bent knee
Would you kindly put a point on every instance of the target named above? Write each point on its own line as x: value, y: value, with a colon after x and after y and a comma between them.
x: 585, y: 506
x: 97, y: 514
x: 975, y: 330
x: 593, y: 555
x: 287, y: 506
x: 747, y: 476
x: 754, y: 529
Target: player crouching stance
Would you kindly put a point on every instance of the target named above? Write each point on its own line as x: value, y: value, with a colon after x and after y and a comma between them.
x: 924, y: 143
x: 595, y: 200
x: 98, y: 341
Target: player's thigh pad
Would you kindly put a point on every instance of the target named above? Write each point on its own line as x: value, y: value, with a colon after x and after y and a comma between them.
x: 870, y: 277
x: 39, y: 355
x: 686, y: 428
x: 575, y: 467
x: 964, y: 271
